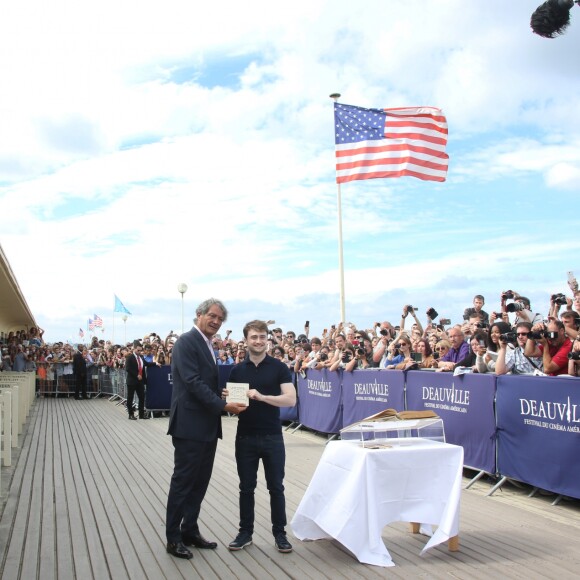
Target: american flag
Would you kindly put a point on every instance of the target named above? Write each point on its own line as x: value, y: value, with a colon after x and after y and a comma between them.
x: 81, y: 333
x: 91, y: 324
x: 98, y: 320
x: 390, y: 143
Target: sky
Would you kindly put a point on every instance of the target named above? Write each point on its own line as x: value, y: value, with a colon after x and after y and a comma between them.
x: 147, y: 144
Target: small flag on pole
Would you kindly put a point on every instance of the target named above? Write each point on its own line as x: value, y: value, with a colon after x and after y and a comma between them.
x: 119, y: 306
x: 91, y: 324
x: 81, y: 333
x: 98, y: 320
x: 375, y: 143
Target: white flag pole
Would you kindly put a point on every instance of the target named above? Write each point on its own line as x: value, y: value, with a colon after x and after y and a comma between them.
x: 335, y: 97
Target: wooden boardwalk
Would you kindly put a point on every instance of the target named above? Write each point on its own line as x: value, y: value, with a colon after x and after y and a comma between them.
x: 87, y: 501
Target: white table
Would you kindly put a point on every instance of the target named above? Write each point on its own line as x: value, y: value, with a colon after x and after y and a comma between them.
x: 356, y: 491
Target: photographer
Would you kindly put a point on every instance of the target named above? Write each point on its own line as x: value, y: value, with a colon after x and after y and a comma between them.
x: 363, y: 353
x: 399, y: 353
x: 570, y: 321
x: 347, y: 354
x: 513, y: 359
x: 550, y: 343
x: 321, y: 360
x: 340, y: 344
x: 521, y: 305
x: 408, y: 309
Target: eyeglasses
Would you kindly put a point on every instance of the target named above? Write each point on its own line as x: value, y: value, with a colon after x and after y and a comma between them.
x: 442, y: 349
x: 358, y: 337
x: 522, y: 333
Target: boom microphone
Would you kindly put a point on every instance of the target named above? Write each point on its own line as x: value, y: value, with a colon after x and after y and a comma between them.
x: 552, y: 17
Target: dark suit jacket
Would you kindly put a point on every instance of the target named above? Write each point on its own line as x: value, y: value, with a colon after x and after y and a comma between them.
x: 132, y: 370
x: 79, y: 364
x: 196, y: 403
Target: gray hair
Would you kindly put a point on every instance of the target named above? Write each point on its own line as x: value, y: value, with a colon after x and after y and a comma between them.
x: 204, y: 307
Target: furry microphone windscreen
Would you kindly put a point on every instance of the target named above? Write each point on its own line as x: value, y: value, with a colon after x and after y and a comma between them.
x: 551, y: 18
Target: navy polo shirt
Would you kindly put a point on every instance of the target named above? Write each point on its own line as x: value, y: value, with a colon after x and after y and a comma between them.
x: 261, y: 418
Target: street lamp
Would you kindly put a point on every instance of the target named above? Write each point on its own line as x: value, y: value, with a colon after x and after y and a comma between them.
x: 124, y: 317
x: 182, y: 289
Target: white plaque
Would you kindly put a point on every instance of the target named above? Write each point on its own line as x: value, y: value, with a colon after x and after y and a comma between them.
x: 238, y: 393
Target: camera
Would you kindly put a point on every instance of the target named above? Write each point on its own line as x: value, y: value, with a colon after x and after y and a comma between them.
x: 508, y: 337
x: 574, y: 355
x: 559, y: 299
x: 507, y: 295
x: 444, y: 321
x: 410, y: 309
x: 481, y: 342
x: 417, y: 357
x: 514, y: 307
x: 360, y: 351
x: 481, y: 325
x: 552, y: 335
x: 346, y: 356
x: 432, y: 313
x: 384, y: 332
x: 537, y: 335
x: 322, y: 357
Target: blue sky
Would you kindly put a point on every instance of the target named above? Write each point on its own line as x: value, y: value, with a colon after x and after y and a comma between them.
x: 148, y: 144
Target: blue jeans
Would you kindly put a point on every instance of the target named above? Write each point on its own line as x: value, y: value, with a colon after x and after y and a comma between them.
x: 270, y: 449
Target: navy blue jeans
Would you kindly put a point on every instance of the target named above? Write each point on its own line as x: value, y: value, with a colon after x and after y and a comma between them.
x: 270, y: 449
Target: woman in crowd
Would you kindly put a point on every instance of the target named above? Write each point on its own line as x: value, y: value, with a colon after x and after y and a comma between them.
x: 427, y: 359
x: 442, y: 347
x: 399, y: 352
x: 487, y: 358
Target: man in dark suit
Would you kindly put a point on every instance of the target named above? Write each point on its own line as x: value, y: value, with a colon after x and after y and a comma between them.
x: 80, y: 373
x: 195, y: 426
x: 135, y: 368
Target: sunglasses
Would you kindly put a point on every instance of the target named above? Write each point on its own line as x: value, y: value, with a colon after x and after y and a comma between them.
x: 523, y: 333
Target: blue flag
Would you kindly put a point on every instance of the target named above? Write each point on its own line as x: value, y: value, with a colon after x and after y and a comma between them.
x: 119, y: 306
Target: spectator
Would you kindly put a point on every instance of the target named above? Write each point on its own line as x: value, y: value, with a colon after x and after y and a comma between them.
x: 570, y: 321
x: 347, y: 354
x: 427, y: 359
x: 574, y: 361
x: 553, y: 347
x: 19, y: 362
x: 521, y: 305
x: 458, y: 351
x: 478, y: 302
x: 399, y: 351
x: 512, y: 359
x: 489, y: 354
x: 363, y: 353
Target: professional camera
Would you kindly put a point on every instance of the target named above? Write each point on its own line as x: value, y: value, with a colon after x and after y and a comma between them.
x: 507, y: 295
x: 360, y: 351
x: 574, y: 355
x: 508, y: 337
x: 481, y: 325
x: 559, y: 299
x: 384, y: 332
x: 346, y: 356
x: 322, y: 357
x: 514, y: 307
x: 538, y: 335
x: 410, y: 309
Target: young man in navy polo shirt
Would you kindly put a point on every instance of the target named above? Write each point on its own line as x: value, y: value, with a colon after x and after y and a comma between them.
x: 259, y: 434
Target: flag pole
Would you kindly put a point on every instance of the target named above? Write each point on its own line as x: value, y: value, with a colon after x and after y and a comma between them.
x: 335, y: 97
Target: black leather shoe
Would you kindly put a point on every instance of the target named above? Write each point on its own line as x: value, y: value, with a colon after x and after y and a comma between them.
x: 144, y: 417
x: 179, y: 551
x: 198, y: 541
x: 132, y: 418
x: 242, y: 540
x: 282, y: 543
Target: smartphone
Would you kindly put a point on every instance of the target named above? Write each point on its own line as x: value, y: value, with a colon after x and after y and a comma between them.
x: 417, y: 356
x: 307, y: 323
x: 571, y: 277
x: 444, y: 321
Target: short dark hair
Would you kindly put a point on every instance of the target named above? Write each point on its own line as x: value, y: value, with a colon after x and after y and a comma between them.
x: 526, y: 301
x: 258, y: 325
x: 523, y: 324
x: 479, y: 297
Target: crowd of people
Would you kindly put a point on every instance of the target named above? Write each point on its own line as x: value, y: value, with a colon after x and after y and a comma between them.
x: 515, y: 339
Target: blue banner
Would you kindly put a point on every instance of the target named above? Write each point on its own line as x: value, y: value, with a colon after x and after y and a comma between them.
x: 465, y: 403
x: 320, y: 395
x: 159, y: 388
x: 538, y: 420
x: 367, y: 392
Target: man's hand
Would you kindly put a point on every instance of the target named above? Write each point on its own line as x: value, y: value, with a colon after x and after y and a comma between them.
x: 235, y: 408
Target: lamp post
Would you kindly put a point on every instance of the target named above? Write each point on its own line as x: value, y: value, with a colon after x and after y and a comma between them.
x: 182, y: 289
x: 124, y: 317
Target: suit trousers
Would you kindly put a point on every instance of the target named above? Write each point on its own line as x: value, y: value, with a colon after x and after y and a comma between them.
x: 140, y: 390
x: 189, y: 483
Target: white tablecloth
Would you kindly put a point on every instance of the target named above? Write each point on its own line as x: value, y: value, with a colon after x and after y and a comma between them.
x: 355, y: 492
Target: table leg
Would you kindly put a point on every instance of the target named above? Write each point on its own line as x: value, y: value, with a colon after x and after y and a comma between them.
x: 453, y: 544
x: 415, y: 527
